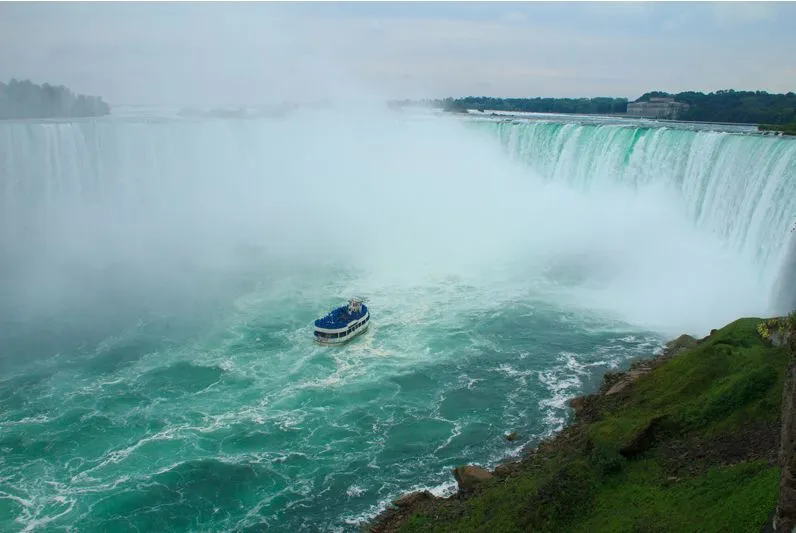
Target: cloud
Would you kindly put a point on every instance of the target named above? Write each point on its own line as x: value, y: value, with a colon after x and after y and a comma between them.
x: 742, y: 13
x: 207, y: 54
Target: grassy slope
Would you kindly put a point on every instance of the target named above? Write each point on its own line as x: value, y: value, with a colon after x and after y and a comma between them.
x: 707, y: 465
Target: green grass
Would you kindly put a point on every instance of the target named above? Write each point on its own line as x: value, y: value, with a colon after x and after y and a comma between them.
x: 717, y: 386
x: 710, y: 393
x: 735, y: 498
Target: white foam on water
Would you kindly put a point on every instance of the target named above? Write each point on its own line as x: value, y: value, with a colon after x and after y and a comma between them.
x: 596, y: 226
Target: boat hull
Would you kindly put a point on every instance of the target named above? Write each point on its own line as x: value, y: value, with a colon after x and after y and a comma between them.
x: 329, y: 341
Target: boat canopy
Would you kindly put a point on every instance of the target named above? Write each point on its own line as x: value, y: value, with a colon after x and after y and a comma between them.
x: 342, y: 316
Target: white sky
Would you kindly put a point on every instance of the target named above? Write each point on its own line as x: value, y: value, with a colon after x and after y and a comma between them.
x: 255, y: 53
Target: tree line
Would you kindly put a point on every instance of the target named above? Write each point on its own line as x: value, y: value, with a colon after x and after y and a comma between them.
x: 25, y: 99
x: 749, y: 107
x: 599, y: 105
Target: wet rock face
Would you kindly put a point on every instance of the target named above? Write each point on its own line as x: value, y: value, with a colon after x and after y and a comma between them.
x: 785, y: 515
x: 507, y: 470
x: 411, y: 499
x: 628, y: 379
x: 469, y: 477
x: 577, y: 404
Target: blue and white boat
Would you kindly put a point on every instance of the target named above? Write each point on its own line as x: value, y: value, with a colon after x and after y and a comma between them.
x: 343, y: 323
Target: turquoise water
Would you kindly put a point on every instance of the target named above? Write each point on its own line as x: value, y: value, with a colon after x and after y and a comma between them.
x: 162, y: 276
x: 234, y: 420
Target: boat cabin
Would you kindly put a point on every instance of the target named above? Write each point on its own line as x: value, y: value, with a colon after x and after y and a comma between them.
x: 343, y: 323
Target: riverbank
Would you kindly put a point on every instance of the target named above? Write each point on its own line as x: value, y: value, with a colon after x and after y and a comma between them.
x: 689, y: 437
x: 783, y: 129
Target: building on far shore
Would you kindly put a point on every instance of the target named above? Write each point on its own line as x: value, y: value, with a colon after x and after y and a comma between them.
x: 657, y: 107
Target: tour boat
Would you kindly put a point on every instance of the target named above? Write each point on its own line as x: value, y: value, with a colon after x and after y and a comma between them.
x: 343, y: 323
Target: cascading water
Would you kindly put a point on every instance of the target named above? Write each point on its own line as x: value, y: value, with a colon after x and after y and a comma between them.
x: 785, y: 288
x: 739, y: 187
x: 160, y: 278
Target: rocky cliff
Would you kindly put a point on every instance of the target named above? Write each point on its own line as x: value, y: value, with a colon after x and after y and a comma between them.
x: 785, y: 517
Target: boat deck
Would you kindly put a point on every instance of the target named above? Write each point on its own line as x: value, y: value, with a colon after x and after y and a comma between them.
x: 339, y: 318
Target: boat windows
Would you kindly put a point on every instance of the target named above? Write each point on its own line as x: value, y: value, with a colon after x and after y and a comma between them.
x: 324, y: 335
x: 358, y: 325
x: 351, y: 329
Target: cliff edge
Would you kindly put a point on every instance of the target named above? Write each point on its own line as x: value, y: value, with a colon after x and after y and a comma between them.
x: 783, y: 332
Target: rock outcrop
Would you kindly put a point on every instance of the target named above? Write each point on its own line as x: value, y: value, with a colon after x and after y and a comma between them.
x: 408, y: 500
x: 683, y: 342
x: 643, y: 440
x: 470, y: 477
x: 628, y: 378
x: 577, y: 404
x: 785, y: 515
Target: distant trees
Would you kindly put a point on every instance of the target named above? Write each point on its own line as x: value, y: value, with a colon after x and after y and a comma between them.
x: 750, y: 107
x: 25, y: 99
x: 787, y: 129
x: 600, y: 105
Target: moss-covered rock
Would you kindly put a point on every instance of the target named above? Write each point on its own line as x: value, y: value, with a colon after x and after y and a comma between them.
x: 683, y: 342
